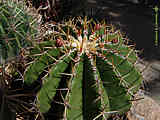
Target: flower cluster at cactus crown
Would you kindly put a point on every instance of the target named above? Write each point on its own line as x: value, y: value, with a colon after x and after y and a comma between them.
x: 84, y: 36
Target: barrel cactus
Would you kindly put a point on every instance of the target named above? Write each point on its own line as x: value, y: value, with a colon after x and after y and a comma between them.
x: 85, y: 69
x: 17, y: 28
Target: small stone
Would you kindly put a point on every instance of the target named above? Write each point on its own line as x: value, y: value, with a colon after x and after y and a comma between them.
x: 144, y: 109
x: 156, y: 66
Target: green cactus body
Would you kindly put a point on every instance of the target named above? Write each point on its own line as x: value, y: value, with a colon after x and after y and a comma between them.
x: 90, y: 71
x: 17, y: 28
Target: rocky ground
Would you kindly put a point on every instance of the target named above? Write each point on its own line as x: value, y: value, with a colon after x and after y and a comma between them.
x: 144, y: 109
x: 148, y: 107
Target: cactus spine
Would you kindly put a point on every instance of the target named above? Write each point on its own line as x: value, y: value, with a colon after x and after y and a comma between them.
x: 17, y: 28
x: 86, y: 69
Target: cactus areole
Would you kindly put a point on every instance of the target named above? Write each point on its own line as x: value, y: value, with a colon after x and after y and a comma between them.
x: 88, y: 71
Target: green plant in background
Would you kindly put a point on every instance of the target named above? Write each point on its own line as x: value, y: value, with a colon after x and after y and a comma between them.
x: 85, y: 70
x: 17, y: 28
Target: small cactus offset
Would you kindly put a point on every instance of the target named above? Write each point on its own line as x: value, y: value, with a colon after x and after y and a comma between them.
x: 17, y: 28
x: 86, y: 69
